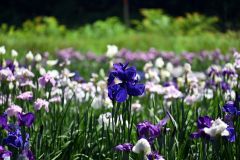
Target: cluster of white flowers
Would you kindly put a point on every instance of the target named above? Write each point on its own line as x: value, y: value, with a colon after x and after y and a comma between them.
x: 197, y: 85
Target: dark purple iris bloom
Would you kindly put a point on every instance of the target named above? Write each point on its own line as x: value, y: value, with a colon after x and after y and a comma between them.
x: 231, y: 108
x: 14, y: 139
x: 201, y: 124
x: 232, y: 134
x: 154, y: 156
x: 26, y: 119
x: 126, y: 147
x: 204, y: 122
x: 129, y: 84
x: 225, y: 86
x: 148, y: 131
x: 213, y: 71
x: 10, y: 65
x: 3, y: 121
x: 4, y: 153
x: 228, y: 72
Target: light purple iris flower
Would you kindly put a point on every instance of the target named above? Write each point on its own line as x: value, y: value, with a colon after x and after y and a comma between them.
x: 39, y: 103
x: 46, y: 79
x: 25, y: 96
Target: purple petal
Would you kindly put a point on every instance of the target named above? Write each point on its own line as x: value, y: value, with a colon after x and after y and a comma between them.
x: 232, y: 135
x: 121, y: 95
x: 3, y: 121
x: 135, y: 90
x: 26, y: 119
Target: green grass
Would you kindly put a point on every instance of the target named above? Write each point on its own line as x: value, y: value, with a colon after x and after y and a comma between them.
x: 193, y: 32
x: 137, y: 41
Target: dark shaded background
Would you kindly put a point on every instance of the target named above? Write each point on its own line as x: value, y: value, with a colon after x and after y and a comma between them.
x: 77, y: 12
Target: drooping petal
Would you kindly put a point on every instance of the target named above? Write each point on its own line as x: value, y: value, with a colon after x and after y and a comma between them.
x: 111, y: 77
x: 112, y: 91
x: 130, y: 73
x: 136, y: 89
x: 26, y: 119
x: 13, y: 140
x: 118, y: 93
x: 3, y: 121
x: 230, y: 107
x: 121, y: 95
x: 232, y: 135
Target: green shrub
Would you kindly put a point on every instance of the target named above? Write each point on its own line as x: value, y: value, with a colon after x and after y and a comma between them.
x: 195, y: 23
x: 155, y: 20
x: 43, y: 25
x: 104, y: 28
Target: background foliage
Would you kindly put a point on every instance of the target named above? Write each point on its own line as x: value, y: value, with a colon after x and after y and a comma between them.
x: 75, y: 12
x: 192, y: 32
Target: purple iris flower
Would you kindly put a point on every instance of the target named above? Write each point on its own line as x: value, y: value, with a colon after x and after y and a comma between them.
x: 231, y: 108
x: 201, y: 124
x: 148, y: 131
x: 212, y: 71
x: 206, y: 122
x: 126, y: 147
x: 46, y: 79
x: 10, y: 65
x: 232, y: 134
x: 155, y: 156
x: 225, y: 86
x: 4, y: 153
x: 3, y: 121
x: 26, y: 119
x: 128, y: 86
x: 228, y: 72
x: 14, y: 139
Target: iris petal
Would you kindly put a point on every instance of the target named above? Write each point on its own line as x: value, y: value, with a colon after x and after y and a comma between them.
x: 130, y: 73
x: 121, y: 95
x: 26, y: 119
x: 135, y: 90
